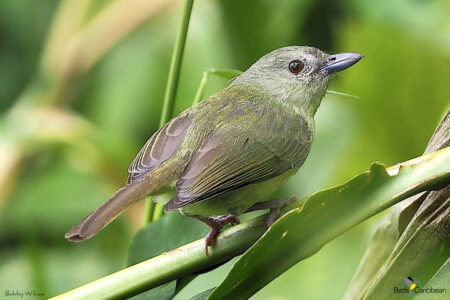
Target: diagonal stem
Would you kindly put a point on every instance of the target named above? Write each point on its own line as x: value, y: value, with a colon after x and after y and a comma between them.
x: 171, y: 265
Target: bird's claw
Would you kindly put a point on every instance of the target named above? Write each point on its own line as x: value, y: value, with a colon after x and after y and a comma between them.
x: 216, y: 224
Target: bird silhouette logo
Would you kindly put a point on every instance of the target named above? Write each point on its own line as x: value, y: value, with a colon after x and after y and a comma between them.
x: 412, y: 283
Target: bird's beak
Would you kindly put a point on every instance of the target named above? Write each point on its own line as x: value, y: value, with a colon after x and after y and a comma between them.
x: 341, y: 61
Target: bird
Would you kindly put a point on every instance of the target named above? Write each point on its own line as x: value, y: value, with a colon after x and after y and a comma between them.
x: 233, y: 149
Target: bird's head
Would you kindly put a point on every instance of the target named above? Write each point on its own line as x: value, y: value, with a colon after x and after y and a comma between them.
x: 297, y: 75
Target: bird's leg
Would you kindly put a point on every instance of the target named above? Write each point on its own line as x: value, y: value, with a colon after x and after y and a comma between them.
x: 273, y: 216
x: 216, y: 224
x: 274, y: 205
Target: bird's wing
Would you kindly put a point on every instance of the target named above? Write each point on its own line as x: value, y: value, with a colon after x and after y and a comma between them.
x: 161, y: 146
x: 230, y: 160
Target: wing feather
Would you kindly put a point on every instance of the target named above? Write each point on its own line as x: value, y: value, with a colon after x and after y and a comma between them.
x: 225, y: 164
x: 161, y: 146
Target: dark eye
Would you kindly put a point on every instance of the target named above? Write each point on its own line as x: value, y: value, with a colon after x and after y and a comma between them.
x: 296, y: 66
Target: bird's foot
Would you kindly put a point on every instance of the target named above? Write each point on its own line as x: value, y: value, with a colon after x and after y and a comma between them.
x: 216, y: 224
x: 274, y: 205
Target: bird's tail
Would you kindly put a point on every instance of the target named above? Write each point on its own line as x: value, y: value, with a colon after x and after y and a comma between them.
x: 122, y: 199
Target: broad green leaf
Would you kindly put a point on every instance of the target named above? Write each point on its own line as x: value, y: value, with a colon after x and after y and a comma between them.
x: 161, y: 236
x: 163, y: 292
x: 323, y: 216
x: 203, y: 295
x: 440, y: 280
x: 426, y: 231
x: 381, y: 245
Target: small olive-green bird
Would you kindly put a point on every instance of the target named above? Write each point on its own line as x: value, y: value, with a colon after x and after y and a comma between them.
x: 233, y: 149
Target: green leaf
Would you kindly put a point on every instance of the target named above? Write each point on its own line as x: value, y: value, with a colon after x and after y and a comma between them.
x: 323, y: 216
x: 163, y: 235
x: 203, y: 295
x: 381, y: 245
x: 440, y: 280
x: 420, y: 241
x: 163, y: 292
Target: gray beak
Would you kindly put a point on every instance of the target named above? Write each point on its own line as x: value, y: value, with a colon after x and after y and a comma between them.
x: 341, y: 61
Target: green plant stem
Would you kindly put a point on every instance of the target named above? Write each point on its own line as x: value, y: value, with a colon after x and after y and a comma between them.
x: 175, y: 64
x: 191, y: 258
x: 149, y: 210
x: 171, y: 89
x: 201, y: 88
x: 159, y: 210
x: 224, y: 73
x: 171, y: 265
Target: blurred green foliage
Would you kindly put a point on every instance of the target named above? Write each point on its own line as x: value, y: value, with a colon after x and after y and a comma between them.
x: 402, y: 83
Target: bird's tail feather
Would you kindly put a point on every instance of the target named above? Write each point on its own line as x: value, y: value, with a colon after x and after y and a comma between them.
x: 122, y: 199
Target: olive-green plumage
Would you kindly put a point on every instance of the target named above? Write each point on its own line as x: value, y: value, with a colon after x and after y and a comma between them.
x: 234, y: 148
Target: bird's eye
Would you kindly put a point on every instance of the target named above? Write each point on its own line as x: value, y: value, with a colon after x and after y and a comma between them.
x: 296, y: 66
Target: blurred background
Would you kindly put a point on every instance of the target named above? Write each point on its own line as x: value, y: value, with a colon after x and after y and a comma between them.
x: 81, y: 89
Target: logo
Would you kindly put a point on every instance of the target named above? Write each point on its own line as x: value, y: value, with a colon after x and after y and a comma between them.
x: 413, y: 287
x: 411, y: 284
